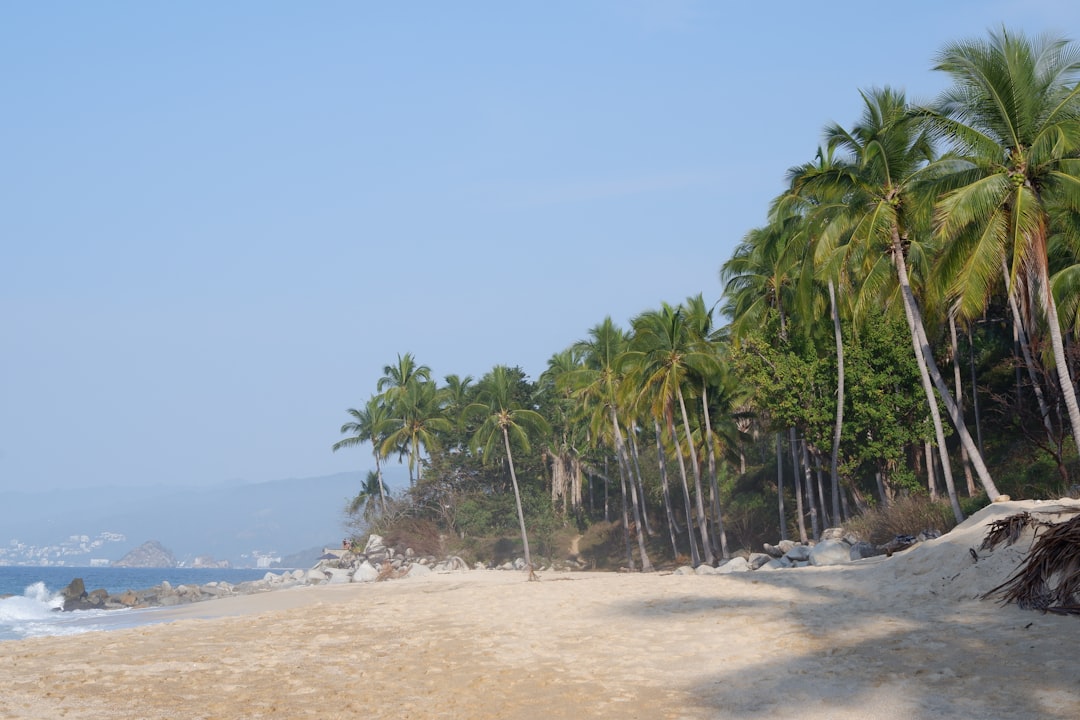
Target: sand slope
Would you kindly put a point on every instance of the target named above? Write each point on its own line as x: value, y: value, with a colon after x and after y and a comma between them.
x: 895, y: 638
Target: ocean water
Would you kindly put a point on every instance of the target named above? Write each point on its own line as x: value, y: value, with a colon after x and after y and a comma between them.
x: 32, y: 611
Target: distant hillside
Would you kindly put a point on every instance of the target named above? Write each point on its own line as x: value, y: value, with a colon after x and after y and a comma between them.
x: 234, y: 522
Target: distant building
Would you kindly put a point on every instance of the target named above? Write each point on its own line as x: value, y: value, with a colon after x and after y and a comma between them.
x: 100, y: 562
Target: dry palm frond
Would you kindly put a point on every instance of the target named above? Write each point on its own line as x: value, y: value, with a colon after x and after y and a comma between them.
x: 1008, y: 530
x: 1049, y: 579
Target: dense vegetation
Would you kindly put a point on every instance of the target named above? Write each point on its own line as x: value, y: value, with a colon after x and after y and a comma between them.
x: 923, y: 265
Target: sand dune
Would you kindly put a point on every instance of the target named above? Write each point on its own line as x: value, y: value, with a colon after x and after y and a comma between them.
x: 885, y: 638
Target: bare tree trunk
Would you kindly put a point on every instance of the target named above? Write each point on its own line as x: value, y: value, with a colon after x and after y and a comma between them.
x: 815, y: 527
x: 695, y: 557
x: 632, y: 433
x: 968, y: 477
x: 1022, y: 339
x: 930, y: 484
x: 714, y: 486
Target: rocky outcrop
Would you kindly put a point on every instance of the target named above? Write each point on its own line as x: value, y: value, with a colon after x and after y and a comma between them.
x: 151, y: 554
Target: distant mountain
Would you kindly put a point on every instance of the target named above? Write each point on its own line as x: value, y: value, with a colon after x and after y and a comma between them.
x: 236, y: 522
x: 150, y: 554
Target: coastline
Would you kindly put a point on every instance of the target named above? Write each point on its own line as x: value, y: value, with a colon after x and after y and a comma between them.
x: 899, y: 637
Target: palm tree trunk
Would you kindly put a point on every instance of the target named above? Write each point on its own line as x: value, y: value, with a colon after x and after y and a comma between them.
x: 1068, y: 390
x: 624, y: 458
x: 714, y: 486
x: 703, y: 521
x: 931, y: 485
x: 929, y: 372
x: 780, y: 487
x: 640, y: 484
x: 517, y: 499
x: 815, y: 526
x: 695, y: 557
x: 382, y: 490
x: 793, y: 446
x: 1029, y: 360
x: 975, y: 390
x: 834, y: 475
x: 673, y: 527
x: 970, y: 480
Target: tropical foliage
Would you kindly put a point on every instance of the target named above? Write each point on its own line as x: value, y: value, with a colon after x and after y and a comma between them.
x: 892, y: 325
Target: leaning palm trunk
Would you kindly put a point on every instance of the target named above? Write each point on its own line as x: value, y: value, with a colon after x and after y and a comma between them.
x: 1068, y: 391
x: 834, y: 475
x: 624, y: 460
x: 1029, y: 361
x: 672, y: 525
x: 695, y: 557
x: 815, y: 528
x: 960, y: 401
x: 703, y: 521
x: 639, y: 482
x: 925, y: 360
x: 517, y: 499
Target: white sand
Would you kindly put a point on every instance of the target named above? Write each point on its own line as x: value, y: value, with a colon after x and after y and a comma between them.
x: 884, y: 638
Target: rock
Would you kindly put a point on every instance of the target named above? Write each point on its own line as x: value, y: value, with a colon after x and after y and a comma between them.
x: 898, y: 543
x: 734, y: 565
x: 786, y: 546
x: 375, y: 543
x: 758, y: 560
x: 835, y: 533
x: 776, y: 564
x: 928, y: 534
x: 365, y: 572
x: 704, y: 569
x: 773, y: 551
x: 128, y: 598
x: 338, y: 576
x: 830, y: 552
x: 862, y: 549
x: 684, y: 570
x: 798, y: 553
x: 419, y: 570
x: 1002, y: 498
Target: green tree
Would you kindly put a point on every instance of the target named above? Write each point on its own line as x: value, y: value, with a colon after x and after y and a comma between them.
x: 369, y: 425
x: 1012, y: 116
x: 504, y: 418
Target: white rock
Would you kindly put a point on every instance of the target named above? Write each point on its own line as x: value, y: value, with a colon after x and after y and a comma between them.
x: 419, y: 571
x: 735, y: 564
x: 365, y: 572
x: 830, y: 552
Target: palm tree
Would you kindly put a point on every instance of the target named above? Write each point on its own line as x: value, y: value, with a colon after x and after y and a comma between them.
x: 663, y: 355
x: 368, y: 426
x: 890, y: 156
x: 504, y: 417
x: 598, y: 384
x: 1013, y: 118
x: 362, y: 504
x: 417, y: 421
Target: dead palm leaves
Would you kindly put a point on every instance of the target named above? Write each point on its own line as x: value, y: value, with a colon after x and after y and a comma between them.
x: 1049, y: 578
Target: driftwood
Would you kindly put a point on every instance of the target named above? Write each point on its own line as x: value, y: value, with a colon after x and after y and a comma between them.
x: 1049, y: 578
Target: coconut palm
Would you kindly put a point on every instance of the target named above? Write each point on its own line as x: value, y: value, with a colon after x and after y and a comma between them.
x: 503, y: 418
x: 598, y: 384
x: 417, y: 421
x: 362, y: 504
x: 889, y: 157
x: 663, y: 355
x: 1012, y: 116
x: 368, y: 425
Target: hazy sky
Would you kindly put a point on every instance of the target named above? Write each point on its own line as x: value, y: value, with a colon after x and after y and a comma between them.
x: 219, y: 221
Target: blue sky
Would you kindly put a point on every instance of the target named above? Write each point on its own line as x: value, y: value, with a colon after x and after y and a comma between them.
x: 221, y: 220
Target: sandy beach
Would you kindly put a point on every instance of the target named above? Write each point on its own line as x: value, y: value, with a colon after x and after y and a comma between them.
x: 902, y: 637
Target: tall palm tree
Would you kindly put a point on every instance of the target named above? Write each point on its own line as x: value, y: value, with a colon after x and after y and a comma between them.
x: 890, y: 156
x: 663, y: 355
x: 1012, y: 116
x: 362, y: 503
x: 599, y: 386
x: 369, y: 425
x: 503, y: 417
x: 417, y: 422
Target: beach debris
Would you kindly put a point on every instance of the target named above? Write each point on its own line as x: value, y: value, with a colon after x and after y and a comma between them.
x: 1048, y: 580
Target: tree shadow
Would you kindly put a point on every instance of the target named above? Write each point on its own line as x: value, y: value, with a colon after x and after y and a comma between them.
x: 835, y: 644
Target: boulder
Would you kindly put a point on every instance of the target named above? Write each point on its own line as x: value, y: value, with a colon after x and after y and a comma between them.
x: 757, y: 560
x: 734, y: 565
x: 365, y: 572
x: 835, y: 533
x: 375, y: 543
x: 419, y: 570
x: 798, y: 553
x: 773, y: 551
x: 786, y: 546
x: 704, y: 569
x: 337, y: 576
x: 862, y: 549
x: 684, y: 570
x: 776, y: 564
x: 830, y: 552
